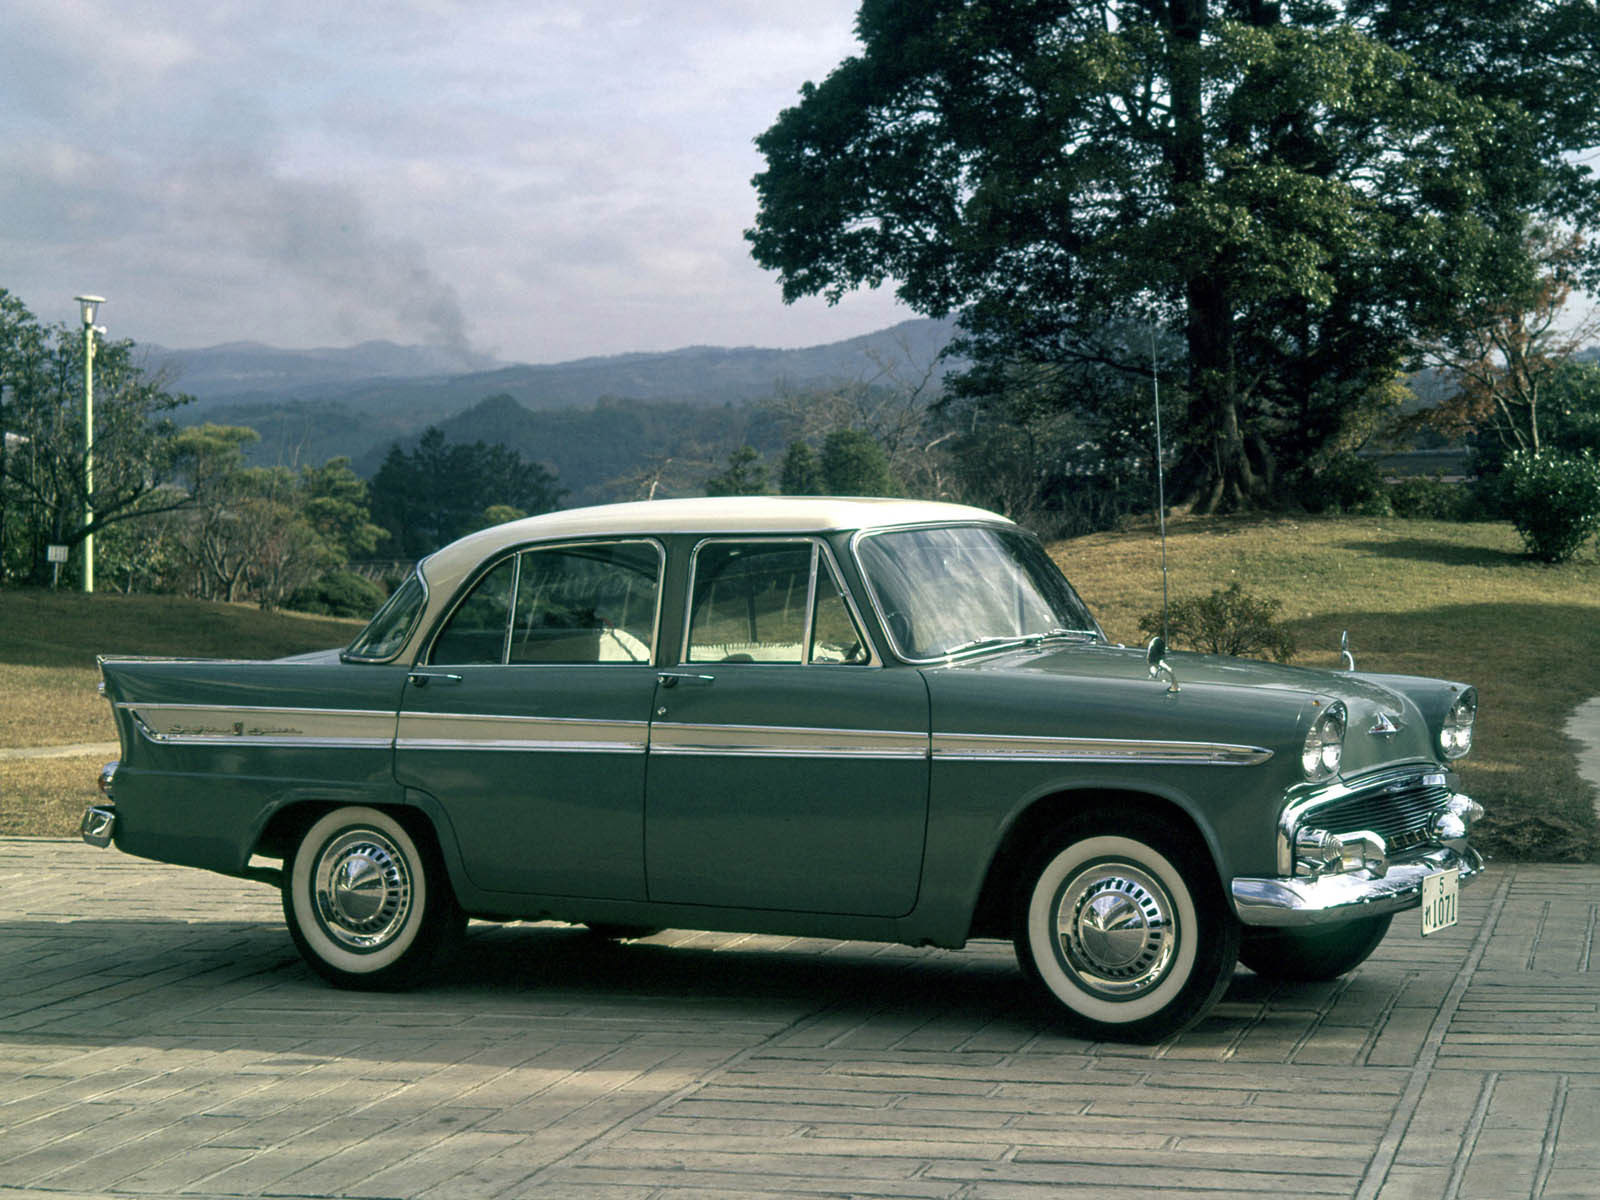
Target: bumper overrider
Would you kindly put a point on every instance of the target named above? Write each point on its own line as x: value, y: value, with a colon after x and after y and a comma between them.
x: 100, y: 820
x: 1338, y: 874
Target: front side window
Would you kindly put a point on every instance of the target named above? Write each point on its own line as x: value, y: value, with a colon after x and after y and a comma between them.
x: 769, y: 602
x: 968, y: 587
x: 565, y: 604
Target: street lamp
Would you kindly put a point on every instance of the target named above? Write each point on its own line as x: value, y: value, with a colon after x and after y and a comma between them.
x: 86, y: 305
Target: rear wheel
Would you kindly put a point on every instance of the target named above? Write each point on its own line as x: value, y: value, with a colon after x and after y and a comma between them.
x: 1123, y: 924
x: 1312, y: 955
x: 367, y: 904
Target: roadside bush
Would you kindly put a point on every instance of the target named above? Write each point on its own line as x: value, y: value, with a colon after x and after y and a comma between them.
x: 1553, y: 500
x: 1228, y: 621
x: 1346, y: 483
x: 339, y: 594
x: 1427, y: 499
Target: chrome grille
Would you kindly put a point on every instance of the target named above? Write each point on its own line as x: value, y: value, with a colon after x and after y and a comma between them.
x: 1398, y: 812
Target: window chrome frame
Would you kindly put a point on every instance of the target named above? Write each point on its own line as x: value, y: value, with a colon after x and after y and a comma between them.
x: 821, y: 557
x: 411, y: 627
x: 425, y: 658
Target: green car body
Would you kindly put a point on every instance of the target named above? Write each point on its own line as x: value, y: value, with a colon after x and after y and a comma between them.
x: 752, y: 740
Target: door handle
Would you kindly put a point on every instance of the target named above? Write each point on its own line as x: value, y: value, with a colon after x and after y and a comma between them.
x: 687, y: 678
x: 423, y: 678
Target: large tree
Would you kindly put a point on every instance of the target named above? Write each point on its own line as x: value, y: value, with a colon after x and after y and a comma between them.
x: 440, y: 490
x: 44, y: 492
x: 1298, y: 191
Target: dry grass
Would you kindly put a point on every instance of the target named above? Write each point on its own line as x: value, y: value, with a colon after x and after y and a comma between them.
x: 1418, y: 597
x: 45, y: 797
x: 48, y: 678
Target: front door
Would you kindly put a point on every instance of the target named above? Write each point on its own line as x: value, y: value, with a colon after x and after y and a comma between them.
x: 788, y: 769
x: 528, y: 721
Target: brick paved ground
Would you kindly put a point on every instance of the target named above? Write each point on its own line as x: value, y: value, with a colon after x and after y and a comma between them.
x: 159, y: 1037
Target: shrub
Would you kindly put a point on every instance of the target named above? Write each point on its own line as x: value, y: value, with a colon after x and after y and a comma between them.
x: 1553, y: 500
x: 1429, y: 499
x: 1346, y: 483
x: 1228, y: 621
x: 339, y: 594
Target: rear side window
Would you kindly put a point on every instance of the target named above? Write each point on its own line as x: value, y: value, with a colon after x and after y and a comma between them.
x: 590, y: 603
x: 391, y: 624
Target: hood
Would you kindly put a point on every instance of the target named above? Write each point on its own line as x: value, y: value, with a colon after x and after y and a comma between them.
x: 1391, y: 718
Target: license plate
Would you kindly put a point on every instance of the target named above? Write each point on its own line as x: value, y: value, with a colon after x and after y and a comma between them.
x: 1439, y: 895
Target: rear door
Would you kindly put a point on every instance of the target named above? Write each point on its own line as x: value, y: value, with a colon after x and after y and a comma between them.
x: 528, y: 719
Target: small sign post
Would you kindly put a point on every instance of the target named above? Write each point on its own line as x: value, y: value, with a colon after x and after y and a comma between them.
x: 55, y: 556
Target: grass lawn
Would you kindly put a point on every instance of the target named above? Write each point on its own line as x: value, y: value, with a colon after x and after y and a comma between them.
x: 1418, y: 597
x: 48, y: 681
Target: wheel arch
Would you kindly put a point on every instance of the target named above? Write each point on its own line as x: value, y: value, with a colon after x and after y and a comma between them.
x: 1033, y: 823
x: 287, y: 823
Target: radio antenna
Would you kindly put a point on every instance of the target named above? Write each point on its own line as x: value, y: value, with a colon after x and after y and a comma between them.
x: 1161, y: 486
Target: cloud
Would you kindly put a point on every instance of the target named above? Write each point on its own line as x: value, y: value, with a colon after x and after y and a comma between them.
x: 553, y: 180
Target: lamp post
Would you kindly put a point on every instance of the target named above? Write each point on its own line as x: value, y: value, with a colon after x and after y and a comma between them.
x: 86, y: 305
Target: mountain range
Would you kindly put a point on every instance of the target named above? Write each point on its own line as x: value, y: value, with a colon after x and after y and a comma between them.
x: 588, y: 418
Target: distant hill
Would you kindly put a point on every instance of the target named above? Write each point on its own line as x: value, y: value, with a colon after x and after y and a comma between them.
x: 252, y: 369
x: 311, y: 405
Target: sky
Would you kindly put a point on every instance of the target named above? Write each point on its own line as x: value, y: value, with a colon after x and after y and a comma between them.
x: 540, y: 180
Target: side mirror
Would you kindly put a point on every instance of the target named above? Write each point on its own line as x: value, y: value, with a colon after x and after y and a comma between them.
x: 1155, y: 656
x: 1344, y: 649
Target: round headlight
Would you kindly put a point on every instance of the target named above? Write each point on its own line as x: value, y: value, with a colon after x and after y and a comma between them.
x: 1455, y: 739
x: 1324, y: 744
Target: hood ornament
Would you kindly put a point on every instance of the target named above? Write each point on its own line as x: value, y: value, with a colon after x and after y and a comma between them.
x: 1385, y: 726
x: 1344, y: 650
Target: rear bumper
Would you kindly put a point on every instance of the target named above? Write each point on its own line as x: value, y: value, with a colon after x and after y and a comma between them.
x: 99, y: 824
x: 1332, y: 899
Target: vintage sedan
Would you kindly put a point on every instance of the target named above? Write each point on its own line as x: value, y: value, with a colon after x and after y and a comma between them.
x: 876, y: 719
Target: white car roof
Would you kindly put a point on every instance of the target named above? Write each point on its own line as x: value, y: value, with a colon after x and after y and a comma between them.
x: 702, y: 515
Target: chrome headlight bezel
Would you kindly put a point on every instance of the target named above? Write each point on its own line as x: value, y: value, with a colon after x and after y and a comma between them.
x: 1323, y: 750
x: 1455, y: 735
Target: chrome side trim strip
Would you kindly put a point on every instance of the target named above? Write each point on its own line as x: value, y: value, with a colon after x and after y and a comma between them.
x: 234, y: 725
x: 482, y: 731
x: 984, y: 747
x: 783, y: 741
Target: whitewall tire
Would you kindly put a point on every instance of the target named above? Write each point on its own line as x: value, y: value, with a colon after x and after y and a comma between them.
x: 1122, y: 923
x: 368, y: 904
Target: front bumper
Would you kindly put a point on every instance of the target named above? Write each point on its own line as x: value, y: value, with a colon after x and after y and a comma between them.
x: 1332, y: 899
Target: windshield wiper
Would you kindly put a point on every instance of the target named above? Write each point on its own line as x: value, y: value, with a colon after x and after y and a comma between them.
x: 1082, y: 635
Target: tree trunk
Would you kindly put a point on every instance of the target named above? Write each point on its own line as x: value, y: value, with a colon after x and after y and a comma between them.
x: 1221, y: 478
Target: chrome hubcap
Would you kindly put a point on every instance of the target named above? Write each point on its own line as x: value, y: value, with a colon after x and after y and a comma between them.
x: 362, y: 889
x: 1116, y: 926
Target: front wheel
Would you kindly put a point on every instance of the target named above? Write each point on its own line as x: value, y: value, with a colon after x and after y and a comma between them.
x: 1312, y: 955
x: 1124, y: 925
x: 368, y: 905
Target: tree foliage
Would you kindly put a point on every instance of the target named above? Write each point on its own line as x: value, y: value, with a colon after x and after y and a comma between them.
x: 439, y: 491
x: 1298, y: 192
x: 1509, y: 354
x: 746, y: 475
x: 44, y: 490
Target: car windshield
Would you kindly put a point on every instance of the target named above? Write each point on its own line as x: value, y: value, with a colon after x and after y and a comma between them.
x: 386, y: 632
x: 969, y: 587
